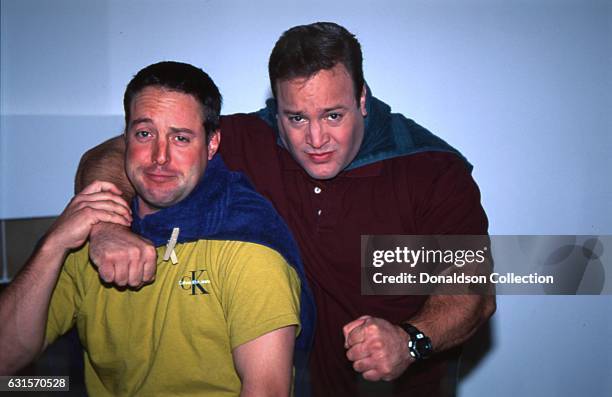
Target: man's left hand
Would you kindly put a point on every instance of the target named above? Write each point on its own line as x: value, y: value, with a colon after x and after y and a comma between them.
x: 377, y: 348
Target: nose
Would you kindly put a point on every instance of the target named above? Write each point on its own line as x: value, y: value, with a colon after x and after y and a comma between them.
x: 316, y: 136
x: 160, y: 155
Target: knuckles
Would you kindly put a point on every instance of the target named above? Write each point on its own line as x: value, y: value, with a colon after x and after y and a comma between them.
x: 135, y: 283
x: 125, y: 263
x: 150, y: 252
x: 385, y: 369
x: 372, y: 329
x: 384, y: 362
x: 106, y: 273
x: 87, y: 211
x: 133, y: 253
x: 371, y: 376
x: 121, y: 276
x: 376, y: 345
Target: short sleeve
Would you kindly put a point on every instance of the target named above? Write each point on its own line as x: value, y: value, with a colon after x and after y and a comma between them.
x: 260, y: 293
x: 446, y: 198
x: 65, y: 300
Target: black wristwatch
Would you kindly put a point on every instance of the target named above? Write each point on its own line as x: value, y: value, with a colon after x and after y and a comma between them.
x: 419, y: 345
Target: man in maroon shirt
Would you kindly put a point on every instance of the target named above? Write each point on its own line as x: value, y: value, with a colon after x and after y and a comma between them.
x: 337, y: 164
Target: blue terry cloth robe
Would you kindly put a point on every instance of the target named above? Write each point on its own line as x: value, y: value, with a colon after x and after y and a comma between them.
x: 224, y: 206
x: 387, y: 135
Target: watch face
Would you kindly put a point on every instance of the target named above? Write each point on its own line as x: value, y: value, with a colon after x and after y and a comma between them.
x: 420, y: 347
x: 423, y: 344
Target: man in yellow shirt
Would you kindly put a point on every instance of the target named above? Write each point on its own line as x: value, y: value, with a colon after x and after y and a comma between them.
x: 221, y: 317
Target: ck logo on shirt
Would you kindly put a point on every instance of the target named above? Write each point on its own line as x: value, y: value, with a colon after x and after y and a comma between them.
x: 195, y: 281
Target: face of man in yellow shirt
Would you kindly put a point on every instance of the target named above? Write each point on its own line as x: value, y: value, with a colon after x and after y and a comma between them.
x: 167, y: 149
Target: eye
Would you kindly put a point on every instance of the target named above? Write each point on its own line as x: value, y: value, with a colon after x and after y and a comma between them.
x: 142, y: 134
x: 182, y: 139
x: 296, y: 118
x: 334, y: 116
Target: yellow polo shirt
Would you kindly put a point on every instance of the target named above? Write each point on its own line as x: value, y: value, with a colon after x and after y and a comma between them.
x: 176, y: 335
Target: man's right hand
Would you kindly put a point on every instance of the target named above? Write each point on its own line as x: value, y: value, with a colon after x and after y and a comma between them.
x: 122, y: 257
x: 98, y: 202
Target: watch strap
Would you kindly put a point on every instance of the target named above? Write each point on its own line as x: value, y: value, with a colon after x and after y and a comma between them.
x: 419, y: 345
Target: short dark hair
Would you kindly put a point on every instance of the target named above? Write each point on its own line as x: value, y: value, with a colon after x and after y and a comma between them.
x: 304, y: 50
x: 180, y: 77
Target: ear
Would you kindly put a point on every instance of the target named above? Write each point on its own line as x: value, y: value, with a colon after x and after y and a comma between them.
x: 213, y: 144
x: 362, y: 101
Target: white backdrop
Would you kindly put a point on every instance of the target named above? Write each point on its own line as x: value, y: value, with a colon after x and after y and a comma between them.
x: 523, y: 88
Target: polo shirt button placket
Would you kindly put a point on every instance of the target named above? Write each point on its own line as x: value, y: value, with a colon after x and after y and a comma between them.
x: 317, y: 190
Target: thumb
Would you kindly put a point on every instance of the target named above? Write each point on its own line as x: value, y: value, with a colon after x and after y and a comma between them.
x: 346, y: 330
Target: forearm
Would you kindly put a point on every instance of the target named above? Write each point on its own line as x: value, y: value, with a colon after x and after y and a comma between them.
x: 449, y: 320
x: 24, y: 306
x: 114, y: 250
x: 105, y: 162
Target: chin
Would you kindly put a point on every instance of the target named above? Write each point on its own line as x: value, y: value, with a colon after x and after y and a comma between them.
x: 326, y: 170
x: 161, y: 201
x: 321, y: 174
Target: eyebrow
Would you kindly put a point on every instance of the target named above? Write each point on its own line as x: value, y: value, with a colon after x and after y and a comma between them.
x: 183, y: 130
x: 173, y: 129
x: 337, y: 107
x: 290, y: 112
x: 140, y: 120
x: 326, y: 110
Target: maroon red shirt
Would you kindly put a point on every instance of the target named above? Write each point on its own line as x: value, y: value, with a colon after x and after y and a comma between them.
x: 425, y: 193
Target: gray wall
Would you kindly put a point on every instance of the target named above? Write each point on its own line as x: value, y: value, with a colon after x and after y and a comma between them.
x: 523, y: 88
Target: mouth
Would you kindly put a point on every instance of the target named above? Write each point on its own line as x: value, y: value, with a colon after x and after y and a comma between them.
x: 159, y: 177
x: 318, y: 158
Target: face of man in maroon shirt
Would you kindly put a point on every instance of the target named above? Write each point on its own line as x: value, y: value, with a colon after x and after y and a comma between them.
x: 320, y: 122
